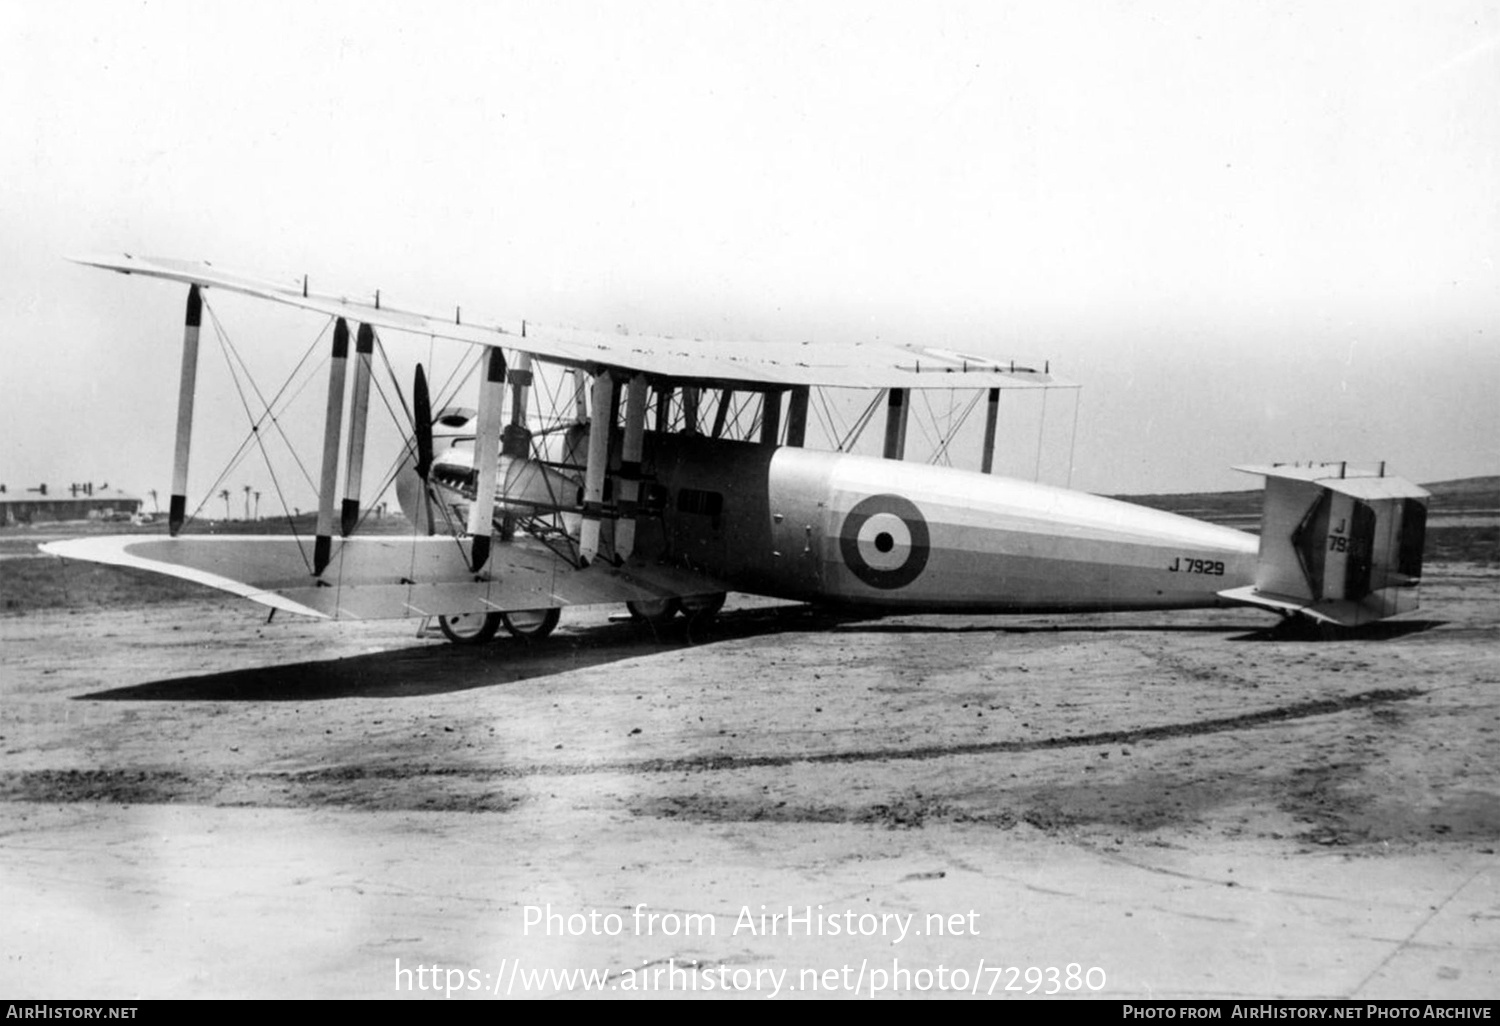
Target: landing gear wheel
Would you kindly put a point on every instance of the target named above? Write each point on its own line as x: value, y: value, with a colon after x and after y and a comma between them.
x: 653, y: 610
x: 700, y: 609
x: 532, y: 624
x: 469, y: 628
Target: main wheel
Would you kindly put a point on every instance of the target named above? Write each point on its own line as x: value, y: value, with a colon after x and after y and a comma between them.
x: 532, y: 624
x: 702, y: 608
x: 469, y: 628
x: 653, y: 610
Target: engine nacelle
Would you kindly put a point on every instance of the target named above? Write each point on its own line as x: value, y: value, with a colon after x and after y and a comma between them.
x: 526, y: 487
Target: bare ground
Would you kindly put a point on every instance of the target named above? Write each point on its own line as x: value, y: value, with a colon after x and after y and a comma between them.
x: 195, y: 803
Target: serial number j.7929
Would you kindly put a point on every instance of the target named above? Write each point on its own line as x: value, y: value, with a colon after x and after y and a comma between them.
x: 1213, y: 567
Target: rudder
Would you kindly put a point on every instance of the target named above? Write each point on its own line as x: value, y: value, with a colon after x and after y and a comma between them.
x: 1339, y: 546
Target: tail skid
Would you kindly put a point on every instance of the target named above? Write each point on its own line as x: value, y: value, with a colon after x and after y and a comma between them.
x: 1341, y: 547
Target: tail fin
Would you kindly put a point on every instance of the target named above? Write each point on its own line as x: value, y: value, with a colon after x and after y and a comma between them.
x: 1342, y: 547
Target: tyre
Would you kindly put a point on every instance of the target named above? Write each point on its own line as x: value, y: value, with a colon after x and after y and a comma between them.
x: 653, y: 610
x: 469, y: 628
x: 702, y: 608
x: 531, y: 624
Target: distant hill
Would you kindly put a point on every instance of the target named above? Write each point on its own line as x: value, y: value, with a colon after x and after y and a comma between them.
x: 1465, y: 494
x: 1215, y: 506
x: 1464, y: 524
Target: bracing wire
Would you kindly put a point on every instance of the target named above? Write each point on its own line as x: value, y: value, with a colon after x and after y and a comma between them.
x: 1073, y: 437
x: 855, y: 432
x: 932, y: 416
x: 240, y: 377
x: 269, y: 407
x: 1040, y: 427
x: 954, y: 428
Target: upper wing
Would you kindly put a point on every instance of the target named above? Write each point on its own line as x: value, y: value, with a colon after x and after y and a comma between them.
x: 722, y: 364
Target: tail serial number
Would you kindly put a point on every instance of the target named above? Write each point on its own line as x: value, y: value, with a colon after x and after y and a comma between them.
x: 1197, y: 566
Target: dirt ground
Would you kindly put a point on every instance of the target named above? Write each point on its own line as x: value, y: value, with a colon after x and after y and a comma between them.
x: 196, y: 803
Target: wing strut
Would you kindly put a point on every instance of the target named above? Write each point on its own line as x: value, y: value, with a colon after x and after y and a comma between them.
x: 192, y: 322
x: 630, y: 466
x: 580, y: 396
x: 515, y: 442
x: 593, y: 475
x: 663, y: 408
x: 487, y: 456
x: 991, y: 417
x: 721, y: 415
x: 896, y: 413
x: 328, y: 492
x: 518, y: 434
x: 770, y: 419
x: 359, y: 415
x: 796, y: 417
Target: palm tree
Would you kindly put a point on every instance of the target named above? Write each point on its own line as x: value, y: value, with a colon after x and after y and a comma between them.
x: 225, y: 496
x: 154, y: 503
x: 257, y: 505
x: 247, y: 502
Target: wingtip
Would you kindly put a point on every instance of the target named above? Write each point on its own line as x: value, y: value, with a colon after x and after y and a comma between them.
x: 109, y: 261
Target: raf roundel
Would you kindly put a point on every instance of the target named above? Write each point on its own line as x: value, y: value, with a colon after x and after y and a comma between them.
x: 885, y: 542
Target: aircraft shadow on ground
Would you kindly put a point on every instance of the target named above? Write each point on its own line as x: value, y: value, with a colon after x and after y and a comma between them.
x: 433, y: 669
x: 875, y: 627
x: 1303, y: 629
x: 440, y: 668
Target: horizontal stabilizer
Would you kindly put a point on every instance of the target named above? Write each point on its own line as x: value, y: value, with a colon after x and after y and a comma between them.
x: 1340, y: 612
x: 1343, y: 479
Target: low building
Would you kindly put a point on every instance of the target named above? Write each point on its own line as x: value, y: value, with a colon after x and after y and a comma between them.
x: 32, y: 507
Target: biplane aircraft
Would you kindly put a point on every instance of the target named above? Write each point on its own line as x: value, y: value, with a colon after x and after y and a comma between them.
x: 648, y: 487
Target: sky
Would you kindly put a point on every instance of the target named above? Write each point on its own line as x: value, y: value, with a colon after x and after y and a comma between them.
x: 1251, y: 232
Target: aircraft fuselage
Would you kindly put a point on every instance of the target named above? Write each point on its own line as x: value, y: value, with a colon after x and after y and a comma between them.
x: 886, y: 534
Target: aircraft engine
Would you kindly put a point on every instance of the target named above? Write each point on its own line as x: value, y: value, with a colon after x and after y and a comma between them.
x: 526, y: 486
